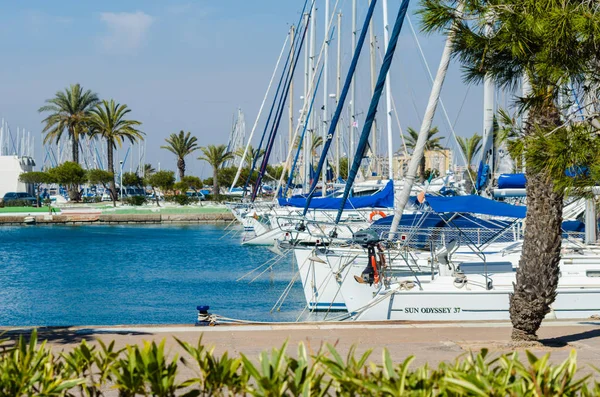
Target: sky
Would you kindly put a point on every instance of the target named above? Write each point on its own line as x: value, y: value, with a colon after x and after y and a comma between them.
x: 189, y: 65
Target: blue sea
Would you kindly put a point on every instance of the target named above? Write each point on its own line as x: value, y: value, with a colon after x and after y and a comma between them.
x: 154, y: 274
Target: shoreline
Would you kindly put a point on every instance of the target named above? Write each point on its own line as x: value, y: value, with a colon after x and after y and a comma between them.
x: 112, y: 219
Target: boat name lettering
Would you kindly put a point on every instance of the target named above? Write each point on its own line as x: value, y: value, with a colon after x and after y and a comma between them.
x: 432, y: 310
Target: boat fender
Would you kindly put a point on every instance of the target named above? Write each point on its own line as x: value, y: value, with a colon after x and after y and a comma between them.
x: 373, y: 214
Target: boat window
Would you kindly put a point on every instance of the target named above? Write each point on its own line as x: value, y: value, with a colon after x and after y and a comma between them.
x: 593, y: 273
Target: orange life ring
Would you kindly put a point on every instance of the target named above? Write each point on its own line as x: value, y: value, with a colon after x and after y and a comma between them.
x: 380, y: 213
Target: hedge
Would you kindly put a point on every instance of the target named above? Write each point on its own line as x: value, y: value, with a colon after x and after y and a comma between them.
x: 31, y: 368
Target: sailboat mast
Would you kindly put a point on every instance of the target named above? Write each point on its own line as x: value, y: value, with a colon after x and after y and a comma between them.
x: 338, y: 91
x: 312, y: 119
x: 487, y: 156
x: 388, y: 93
x: 402, y: 199
x: 291, y: 96
x: 374, y: 159
x: 352, y: 91
x: 325, y: 91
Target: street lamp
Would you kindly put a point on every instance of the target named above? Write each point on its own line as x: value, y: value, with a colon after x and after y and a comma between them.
x: 121, y: 181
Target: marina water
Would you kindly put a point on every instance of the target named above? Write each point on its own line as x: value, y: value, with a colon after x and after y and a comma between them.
x: 151, y: 274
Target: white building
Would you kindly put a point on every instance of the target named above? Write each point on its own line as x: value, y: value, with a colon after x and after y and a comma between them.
x: 10, y: 169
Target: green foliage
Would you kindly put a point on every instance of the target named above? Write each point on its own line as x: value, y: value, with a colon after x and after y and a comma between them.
x: 30, y: 368
x: 181, y: 145
x: 96, y: 176
x: 192, y: 182
x: 68, y: 111
x: 35, y: 177
x: 470, y: 147
x: 215, y: 155
x: 17, y: 203
x: 108, y: 120
x: 93, y: 199
x: 571, y: 148
x: 68, y: 173
x: 181, y: 199
x: 164, y: 180
x: 135, y: 200
x: 132, y: 179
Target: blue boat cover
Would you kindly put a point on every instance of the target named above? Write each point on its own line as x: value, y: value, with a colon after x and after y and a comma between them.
x: 511, y: 181
x: 381, y: 199
x: 475, y: 205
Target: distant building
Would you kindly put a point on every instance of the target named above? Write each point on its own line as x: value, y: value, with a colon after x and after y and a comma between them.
x: 11, y: 167
x: 440, y: 160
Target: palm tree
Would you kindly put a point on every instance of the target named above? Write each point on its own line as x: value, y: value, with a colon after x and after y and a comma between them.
x: 148, y: 170
x: 433, y: 143
x: 317, y: 141
x: 215, y: 156
x: 181, y: 145
x: 553, y: 44
x: 250, y: 156
x: 470, y: 147
x: 108, y: 121
x: 69, y: 110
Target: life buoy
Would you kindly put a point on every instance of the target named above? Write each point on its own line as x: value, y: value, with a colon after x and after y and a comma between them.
x: 374, y: 213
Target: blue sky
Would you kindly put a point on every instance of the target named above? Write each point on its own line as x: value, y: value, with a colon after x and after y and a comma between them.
x: 190, y: 65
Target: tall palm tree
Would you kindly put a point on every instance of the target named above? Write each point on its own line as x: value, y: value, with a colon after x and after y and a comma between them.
x: 250, y: 156
x: 181, y: 145
x: 470, y: 147
x: 148, y: 170
x: 433, y: 143
x: 69, y: 110
x: 108, y: 121
x: 215, y: 156
x: 553, y: 44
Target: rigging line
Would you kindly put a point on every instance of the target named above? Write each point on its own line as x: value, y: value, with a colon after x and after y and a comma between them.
x: 279, y: 114
x: 303, y: 110
x: 312, y: 101
x: 387, y: 62
x: 284, y: 72
x: 464, y: 158
x: 340, y: 106
x: 239, y: 171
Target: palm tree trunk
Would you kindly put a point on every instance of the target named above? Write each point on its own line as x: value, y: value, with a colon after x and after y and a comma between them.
x: 538, y: 272
x: 215, y: 182
x: 75, y: 146
x: 181, y: 166
x: 422, y: 170
x: 111, y: 169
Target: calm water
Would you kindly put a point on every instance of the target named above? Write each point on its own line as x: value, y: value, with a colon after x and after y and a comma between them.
x: 91, y: 275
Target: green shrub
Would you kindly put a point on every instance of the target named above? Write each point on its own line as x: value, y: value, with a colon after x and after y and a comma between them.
x: 17, y: 203
x: 29, y: 368
x: 181, y: 199
x: 135, y: 200
x: 93, y: 199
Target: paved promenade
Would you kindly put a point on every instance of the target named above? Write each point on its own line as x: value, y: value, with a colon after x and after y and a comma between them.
x: 429, y: 342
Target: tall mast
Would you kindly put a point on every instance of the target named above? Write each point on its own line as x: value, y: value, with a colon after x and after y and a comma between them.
x: 338, y: 91
x: 325, y: 91
x: 402, y: 198
x: 487, y: 152
x: 291, y: 97
x: 352, y: 91
x: 372, y: 42
x: 305, y: 165
x: 313, y: 49
x: 388, y: 93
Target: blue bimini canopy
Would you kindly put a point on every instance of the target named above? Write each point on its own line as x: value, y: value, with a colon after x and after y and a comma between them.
x: 475, y: 205
x: 511, y: 181
x: 381, y: 199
